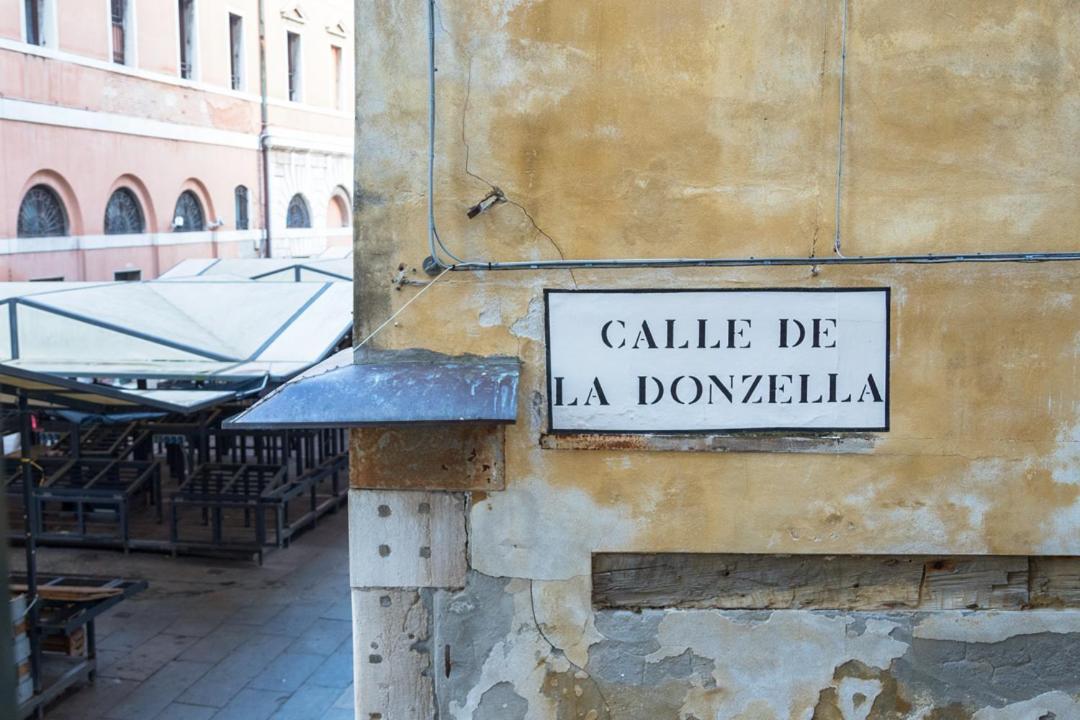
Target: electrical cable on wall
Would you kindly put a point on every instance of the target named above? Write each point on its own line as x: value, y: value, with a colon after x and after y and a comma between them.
x: 434, y: 264
x: 840, y: 124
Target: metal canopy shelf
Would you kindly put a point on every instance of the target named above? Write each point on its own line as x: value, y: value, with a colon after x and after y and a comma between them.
x: 389, y: 388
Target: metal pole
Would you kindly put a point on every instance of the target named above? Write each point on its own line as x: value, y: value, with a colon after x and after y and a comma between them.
x: 29, y: 536
x: 8, y: 678
x: 264, y: 131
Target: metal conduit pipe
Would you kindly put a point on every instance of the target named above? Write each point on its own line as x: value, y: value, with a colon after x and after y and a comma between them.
x: 264, y: 132
x: 435, y: 264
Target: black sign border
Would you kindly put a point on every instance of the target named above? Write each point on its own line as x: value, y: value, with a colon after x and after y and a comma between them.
x: 802, y: 431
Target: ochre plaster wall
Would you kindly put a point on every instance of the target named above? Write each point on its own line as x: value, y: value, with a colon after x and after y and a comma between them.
x: 708, y: 128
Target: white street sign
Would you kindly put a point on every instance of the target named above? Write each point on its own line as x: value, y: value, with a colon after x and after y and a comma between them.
x: 694, y: 361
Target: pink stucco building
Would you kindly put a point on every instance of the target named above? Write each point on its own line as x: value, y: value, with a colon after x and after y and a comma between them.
x: 137, y: 133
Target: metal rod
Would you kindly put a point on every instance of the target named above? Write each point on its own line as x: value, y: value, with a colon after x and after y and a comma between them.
x: 29, y: 538
x: 928, y: 259
x: 264, y: 130
x: 8, y: 677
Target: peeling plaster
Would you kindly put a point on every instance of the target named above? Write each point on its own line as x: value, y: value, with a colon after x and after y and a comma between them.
x: 1048, y: 706
x: 531, y: 325
x: 564, y: 613
x: 784, y: 660
x: 543, y: 644
x: 529, y: 529
x: 522, y: 658
x: 993, y: 626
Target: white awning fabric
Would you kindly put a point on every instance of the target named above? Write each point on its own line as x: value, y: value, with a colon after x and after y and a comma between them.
x: 320, y: 269
x: 190, y: 343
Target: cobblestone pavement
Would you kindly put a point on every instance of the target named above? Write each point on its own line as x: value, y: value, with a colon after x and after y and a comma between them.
x: 221, y: 639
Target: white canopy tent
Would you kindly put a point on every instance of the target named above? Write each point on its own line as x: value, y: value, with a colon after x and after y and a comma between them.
x: 177, y: 345
x: 319, y: 269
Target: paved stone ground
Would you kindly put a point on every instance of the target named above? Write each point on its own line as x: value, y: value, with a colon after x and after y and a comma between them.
x: 221, y: 639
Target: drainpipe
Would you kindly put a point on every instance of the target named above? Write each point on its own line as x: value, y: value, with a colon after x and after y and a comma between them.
x: 264, y: 132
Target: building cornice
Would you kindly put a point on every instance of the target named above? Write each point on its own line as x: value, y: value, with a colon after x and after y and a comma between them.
x: 158, y: 77
x: 22, y: 246
x: 60, y: 116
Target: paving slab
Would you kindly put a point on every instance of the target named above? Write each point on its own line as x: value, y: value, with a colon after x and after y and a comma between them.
x: 148, y: 658
x: 336, y: 671
x: 154, y: 695
x: 180, y: 711
x: 287, y: 672
x: 258, y: 614
x: 220, y: 639
x: 323, y: 637
x: 232, y: 673
x: 307, y: 703
x: 91, y: 702
x: 250, y: 704
x: 336, y: 713
x: 347, y: 699
x: 294, y: 619
x: 215, y: 647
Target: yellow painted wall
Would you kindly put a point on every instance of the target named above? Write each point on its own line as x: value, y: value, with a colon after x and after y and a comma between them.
x: 709, y: 128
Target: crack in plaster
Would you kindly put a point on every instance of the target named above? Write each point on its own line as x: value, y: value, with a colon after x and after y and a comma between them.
x: 492, y: 186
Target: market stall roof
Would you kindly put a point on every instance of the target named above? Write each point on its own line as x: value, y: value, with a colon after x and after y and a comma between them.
x: 193, y: 344
x: 389, y: 388
x: 59, y: 392
x: 319, y: 269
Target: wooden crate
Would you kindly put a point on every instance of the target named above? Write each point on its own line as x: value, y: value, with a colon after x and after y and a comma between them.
x: 24, y: 688
x: 73, y: 645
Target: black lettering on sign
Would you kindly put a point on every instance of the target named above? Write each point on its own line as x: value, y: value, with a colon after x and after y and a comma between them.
x: 604, y: 334
x: 596, y: 391
x: 643, y: 390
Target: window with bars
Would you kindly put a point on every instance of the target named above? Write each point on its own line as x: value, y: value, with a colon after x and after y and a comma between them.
x: 188, y: 216
x: 187, y: 38
x: 298, y: 215
x: 42, y: 214
x: 241, y: 207
x: 123, y: 214
x: 236, y: 51
x: 119, y: 31
x: 295, y: 80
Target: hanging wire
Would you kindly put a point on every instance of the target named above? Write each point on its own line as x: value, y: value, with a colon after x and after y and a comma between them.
x: 401, y: 309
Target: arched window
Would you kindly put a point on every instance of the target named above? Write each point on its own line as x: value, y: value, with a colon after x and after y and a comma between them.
x: 298, y: 215
x: 337, y: 213
x: 188, y: 216
x: 241, y: 194
x: 123, y: 214
x: 42, y: 213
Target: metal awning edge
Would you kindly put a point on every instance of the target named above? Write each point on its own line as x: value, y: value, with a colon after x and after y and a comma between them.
x: 64, y: 385
x: 394, y: 387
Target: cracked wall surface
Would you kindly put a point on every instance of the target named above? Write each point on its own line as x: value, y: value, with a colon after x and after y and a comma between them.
x: 706, y: 128
x: 746, y: 664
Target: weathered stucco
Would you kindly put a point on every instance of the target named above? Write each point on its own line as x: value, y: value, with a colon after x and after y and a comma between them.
x: 709, y: 128
x: 502, y: 635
